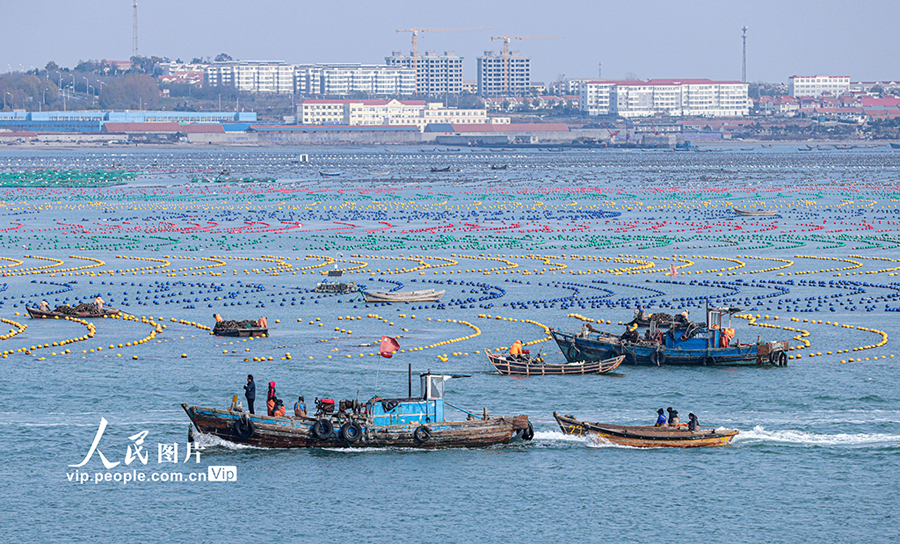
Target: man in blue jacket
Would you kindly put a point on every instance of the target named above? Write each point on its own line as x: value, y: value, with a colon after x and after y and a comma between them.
x: 661, y: 420
x: 250, y: 392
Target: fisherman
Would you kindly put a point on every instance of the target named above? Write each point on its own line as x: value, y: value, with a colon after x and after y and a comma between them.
x: 279, y: 410
x: 300, y: 407
x: 683, y: 317
x: 672, y: 414
x: 661, y: 419
x: 270, y: 398
x: 250, y: 392
x: 674, y: 420
x: 647, y: 335
x: 218, y: 318
x: 516, y: 350
x: 98, y: 302
x: 262, y: 323
x: 630, y: 334
x: 693, y: 423
x: 45, y: 307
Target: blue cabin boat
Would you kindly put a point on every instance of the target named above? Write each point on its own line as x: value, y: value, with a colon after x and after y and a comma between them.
x: 412, y: 422
x: 712, y: 343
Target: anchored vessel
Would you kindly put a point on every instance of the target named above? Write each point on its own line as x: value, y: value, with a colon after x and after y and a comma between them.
x: 82, y: 310
x: 239, y: 328
x: 423, y: 295
x: 404, y: 422
x: 712, y: 343
x: 645, y: 436
x: 755, y: 213
x: 527, y: 366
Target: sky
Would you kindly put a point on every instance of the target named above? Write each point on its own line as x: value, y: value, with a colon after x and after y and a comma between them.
x: 647, y: 39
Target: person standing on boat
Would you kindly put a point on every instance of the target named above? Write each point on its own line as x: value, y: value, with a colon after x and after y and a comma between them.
x: 45, y: 307
x: 98, y: 302
x: 218, y: 318
x: 263, y: 323
x: 661, y: 419
x: 250, y: 392
x: 270, y: 398
x: 693, y: 423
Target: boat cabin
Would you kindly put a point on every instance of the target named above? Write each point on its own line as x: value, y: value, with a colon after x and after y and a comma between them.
x: 718, y: 332
x: 429, y: 408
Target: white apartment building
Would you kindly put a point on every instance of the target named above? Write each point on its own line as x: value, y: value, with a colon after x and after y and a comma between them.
x: 493, y: 79
x: 387, y: 112
x: 346, y: 79
x: 252, y: 76
x: 688, y: 97
x: 815, y: 86
x: 435, y: 74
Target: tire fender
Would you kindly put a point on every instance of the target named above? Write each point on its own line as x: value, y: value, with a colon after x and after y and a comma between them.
x: 322, y: 429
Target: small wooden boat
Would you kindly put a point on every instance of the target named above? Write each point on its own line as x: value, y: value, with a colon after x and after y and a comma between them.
x: 755, y: 213
x: 329, y: 174
x: 244, y: 328
x: 379, y: 423
x: 528, y: 366
x: 422, y: 295
x: 37, y: 313
x: 646, y: 436
x: 895, y: 146
x: 340, y: 287
x: 379, y: 172
x: 499, y: 166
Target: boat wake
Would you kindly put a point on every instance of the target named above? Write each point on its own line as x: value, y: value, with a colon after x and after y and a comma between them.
x: 213, y: 441
x: 557, y: 436
x: 761, y: 435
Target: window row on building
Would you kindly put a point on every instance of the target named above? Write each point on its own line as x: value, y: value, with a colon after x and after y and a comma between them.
x: 688, y: 97
x: 387, y: 112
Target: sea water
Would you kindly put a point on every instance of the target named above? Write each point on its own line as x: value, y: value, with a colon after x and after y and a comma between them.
x: 817, y: 454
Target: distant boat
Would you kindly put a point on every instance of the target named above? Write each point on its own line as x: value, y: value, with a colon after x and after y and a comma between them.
x: 379, y: 172
x: 329, y: 174
x: 755, y: 213
x: 499, y: 166
x: 423, y: 295
x: 436, y: 169
x: 895, y: 146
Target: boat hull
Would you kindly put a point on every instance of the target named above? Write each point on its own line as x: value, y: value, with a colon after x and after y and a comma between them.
x: 426, y: 295
x: 599, y: 347
x: 36, y: 313
x: 297, y: 432
x: 253, y: 331
x: 508, y: 366
x: 646, y: 437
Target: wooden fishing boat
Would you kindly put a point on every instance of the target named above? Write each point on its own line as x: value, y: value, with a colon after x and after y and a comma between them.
x: 379, y: 423
x: 708, y: 344
x: 247, y: 331
x: 755, y: 213
x: 37, y: 313
x: 422, y: 295
x: 499, y: 166
x: 379, y: 172
x: 528, y: 366
x: 329, y: 174
x: 646, y: 436
x: 340, y: 287
x: 244, y: 328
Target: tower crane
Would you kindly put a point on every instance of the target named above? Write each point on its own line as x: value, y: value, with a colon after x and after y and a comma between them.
x: 506, y: 39
x: 415, y: 46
